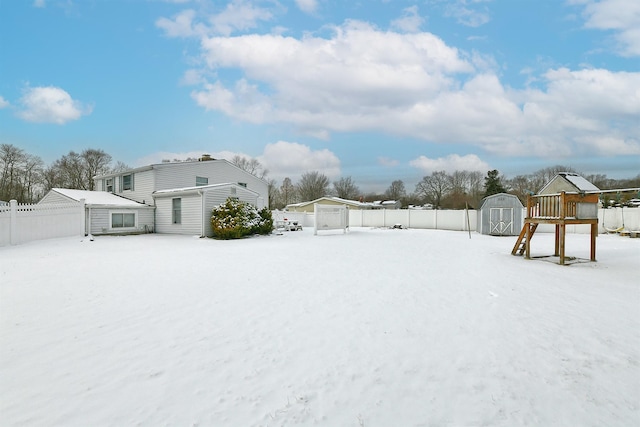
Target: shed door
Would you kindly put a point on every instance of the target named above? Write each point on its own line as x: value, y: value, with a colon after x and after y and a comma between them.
x: 501, y: 221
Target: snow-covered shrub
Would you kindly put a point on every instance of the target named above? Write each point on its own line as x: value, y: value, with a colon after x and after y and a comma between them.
x: 235, y: 219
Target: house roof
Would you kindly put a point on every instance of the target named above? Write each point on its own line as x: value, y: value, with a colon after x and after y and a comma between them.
x: 96, y: 198
x: 171, y: 165
x: 174, y: 191
x: 575, y: 180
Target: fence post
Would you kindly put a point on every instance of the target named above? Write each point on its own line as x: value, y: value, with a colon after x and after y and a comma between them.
x: 13, y: 223
x: 83, y: 218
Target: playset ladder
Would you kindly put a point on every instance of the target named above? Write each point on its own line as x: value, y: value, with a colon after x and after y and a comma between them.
x: 521, y: 244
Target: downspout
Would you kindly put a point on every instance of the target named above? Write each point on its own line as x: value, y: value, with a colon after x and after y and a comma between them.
x: 202, y: 226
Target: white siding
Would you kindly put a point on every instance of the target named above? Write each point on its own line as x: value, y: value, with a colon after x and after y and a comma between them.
x: 143, y: 186
x: 101, y: 220
x: 181, y: 175
x: 191, y: 215
x: 53, y: 197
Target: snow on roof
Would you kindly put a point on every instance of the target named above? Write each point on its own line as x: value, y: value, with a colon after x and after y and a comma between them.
x: 579, y: 182
x: 328, y: 199
x: 199, y: 188
x: 96, y: 197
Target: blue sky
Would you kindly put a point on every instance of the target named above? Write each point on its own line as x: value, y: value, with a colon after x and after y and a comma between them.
x: 377, y: 90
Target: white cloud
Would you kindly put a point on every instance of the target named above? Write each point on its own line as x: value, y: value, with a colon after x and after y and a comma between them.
x: 468, y: 12
x: 192, y: 77
x: 3, y: 103
x: 50, y: 105
x: 282, y: 159
x: 450, y: 163
x: 239, y: 15
x: 387, y: 162
x: 410, y: 22
x: 415, y: 86
x: 307, y: 6
x: 182, y: 25
x: 289, y: 159
x: 341, y: 84
x: 620, y: 16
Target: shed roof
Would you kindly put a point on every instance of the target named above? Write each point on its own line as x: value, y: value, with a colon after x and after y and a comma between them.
x: 101, y: 198
x: 511, y: 197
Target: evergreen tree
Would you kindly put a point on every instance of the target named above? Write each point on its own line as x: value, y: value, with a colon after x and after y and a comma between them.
x: 493, y: 183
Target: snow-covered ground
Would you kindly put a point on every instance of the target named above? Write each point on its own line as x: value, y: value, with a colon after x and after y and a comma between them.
x: 377, y: 327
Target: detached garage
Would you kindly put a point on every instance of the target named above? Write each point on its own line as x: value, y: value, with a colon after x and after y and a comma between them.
x: 500, y: 215
x: 188, y: 210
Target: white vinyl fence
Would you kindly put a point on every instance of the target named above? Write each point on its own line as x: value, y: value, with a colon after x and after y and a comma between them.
x: 408, y: 218
x: 457, y: 220
x: 21, y: 223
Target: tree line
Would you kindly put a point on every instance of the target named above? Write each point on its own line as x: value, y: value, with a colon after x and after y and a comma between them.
x: 440, y: 190
x: 25, y: 178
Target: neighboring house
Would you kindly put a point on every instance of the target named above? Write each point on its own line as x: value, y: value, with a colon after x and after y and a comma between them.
x: 106, y: 213
x: 188, y: 210
x: 140, y: 184
x: 326, y: 200
x: 568, y: 182
x: 385, y: 204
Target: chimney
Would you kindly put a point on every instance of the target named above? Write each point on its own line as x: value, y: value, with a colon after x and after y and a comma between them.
x: 206, y: 157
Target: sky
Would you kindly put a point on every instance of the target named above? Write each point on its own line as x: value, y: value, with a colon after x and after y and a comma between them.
x: 375, y: 90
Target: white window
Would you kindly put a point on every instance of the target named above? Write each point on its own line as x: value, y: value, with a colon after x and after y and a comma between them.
x: 127, y: 182
x: 200, y: 181
x: 242, y: 184
x: 123, y: 220
x: 176, y: 209
x: 108, y: 185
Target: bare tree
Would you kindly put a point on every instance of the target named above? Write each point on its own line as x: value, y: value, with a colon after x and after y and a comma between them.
x: 434, y: 187
x: 72, y: 171
x: 396, y: 190
x: 253, y: 166
x: 345, y: 188
x: 120, y: 167
x: 31, y: 179
x: 96, y: 162
x: 11, y: 160
x: 274, y: 193
x: 313, y: 185
x: 20, y: 175
x: 287, y: 192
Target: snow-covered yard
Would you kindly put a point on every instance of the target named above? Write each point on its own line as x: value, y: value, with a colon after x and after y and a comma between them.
x: 376, y: 327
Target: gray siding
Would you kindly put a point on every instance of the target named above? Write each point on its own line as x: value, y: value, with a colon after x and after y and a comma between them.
x: 191, y: 215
